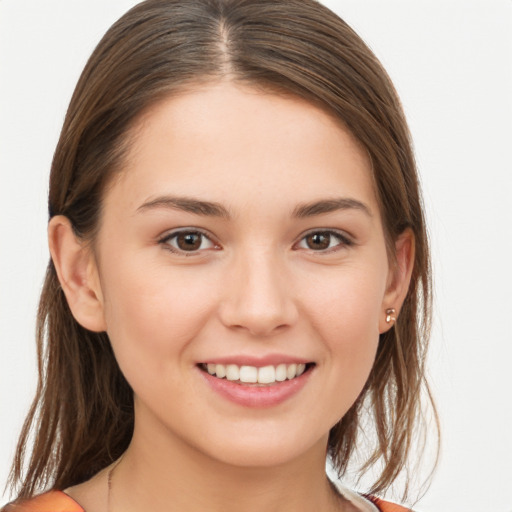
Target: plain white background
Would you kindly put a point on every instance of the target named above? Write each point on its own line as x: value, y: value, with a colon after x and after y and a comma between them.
x: 451, y: 62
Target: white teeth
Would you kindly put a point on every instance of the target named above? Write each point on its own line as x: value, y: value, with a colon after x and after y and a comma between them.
x: 266, y: 375
x: 291, y: 371
x: 281, y: 372
x: 252, y: 374
x: 232, y: 372
x: 248, y: 374
x: 220, y: 370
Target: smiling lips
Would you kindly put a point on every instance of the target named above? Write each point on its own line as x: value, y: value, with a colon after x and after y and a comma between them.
x: 269, y: 374
x: 260, y: 386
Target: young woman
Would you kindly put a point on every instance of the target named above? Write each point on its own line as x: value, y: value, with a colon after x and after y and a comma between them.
x: 239, y: 283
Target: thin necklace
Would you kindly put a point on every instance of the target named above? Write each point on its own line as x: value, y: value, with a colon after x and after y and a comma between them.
x: 109, y: 482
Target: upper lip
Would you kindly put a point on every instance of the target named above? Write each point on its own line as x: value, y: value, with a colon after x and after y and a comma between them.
x: 258, y: 361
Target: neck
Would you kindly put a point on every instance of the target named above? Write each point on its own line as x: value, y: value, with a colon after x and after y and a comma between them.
x: 173, y: 476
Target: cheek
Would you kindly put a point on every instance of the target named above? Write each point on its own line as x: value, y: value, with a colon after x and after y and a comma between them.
x: 345, y: 314
x: 151, y: 314
x: 348, y: 304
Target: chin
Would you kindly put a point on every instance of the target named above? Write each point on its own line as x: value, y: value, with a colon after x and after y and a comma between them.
x: 265, y: 451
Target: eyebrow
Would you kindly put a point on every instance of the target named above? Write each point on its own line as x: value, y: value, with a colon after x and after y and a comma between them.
x: 213, y: 209
x: 329, y: 205
x: 187, y: 204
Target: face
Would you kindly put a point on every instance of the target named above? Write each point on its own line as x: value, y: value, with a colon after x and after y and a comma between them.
x: 242, y: 273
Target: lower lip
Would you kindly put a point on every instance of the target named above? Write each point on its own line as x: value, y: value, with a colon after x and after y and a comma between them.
x: 257, y: 396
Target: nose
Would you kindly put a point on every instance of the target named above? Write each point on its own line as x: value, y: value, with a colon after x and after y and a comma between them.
x: 258, y: 296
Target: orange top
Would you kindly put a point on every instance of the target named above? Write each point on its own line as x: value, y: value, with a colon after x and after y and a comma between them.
x: 57, y: 501
x: 52, y: 501
x: 386, y: 506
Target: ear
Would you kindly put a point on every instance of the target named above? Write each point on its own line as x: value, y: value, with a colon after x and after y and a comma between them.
x: 398, y: 280
x: 78, y: 274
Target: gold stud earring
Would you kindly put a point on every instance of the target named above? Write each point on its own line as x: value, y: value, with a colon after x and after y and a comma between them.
x: 390, y: 315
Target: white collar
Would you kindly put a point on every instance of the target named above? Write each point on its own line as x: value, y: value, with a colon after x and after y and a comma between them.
x: 356, y: 499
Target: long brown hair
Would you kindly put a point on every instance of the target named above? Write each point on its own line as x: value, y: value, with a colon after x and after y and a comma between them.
x: 82, y: 415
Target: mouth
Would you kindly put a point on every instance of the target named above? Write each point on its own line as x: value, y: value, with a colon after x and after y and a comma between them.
x: 256, y: 376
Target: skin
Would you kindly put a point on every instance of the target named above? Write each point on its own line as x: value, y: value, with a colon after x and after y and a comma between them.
x: 255, y: 285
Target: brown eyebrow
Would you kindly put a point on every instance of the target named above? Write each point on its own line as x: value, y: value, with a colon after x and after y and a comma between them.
x: 212, y: 209
x: 187, y: 204
x: 328, y: 206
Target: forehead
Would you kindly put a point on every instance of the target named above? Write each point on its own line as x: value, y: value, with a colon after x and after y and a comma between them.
x: 224, y: 140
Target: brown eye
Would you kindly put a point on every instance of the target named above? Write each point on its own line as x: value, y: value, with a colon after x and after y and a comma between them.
x: 188, y: 241
x: 325, y: 241
x: 318, y: 241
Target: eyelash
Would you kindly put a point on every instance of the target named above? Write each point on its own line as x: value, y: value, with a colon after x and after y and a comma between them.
x: 166, y: 241
x: 343, y: 241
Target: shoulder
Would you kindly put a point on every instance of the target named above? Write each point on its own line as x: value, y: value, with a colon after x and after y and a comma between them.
x: 387, y: 506
x: 53, y: 501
